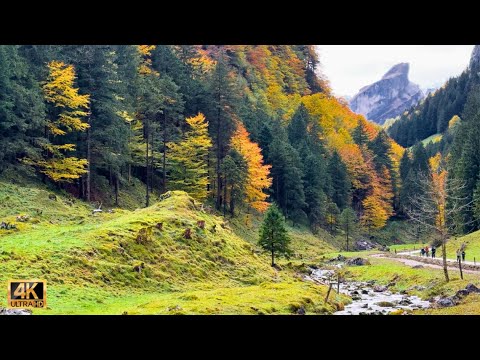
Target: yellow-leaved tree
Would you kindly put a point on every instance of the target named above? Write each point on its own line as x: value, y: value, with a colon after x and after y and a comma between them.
x: 146, y: 64
x: 66, y: 112
x: 258, y: 174
x: 189, y: 159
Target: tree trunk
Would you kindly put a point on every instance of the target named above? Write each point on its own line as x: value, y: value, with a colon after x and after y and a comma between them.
x: 277, y: 194
x: 444, y: 257
x: 208, y: 172
x: 129, y: 162
x: 152, y: 164
x: 460, y: 267
x: 164, y: 156
x: 147, y: 194
x: 88, y: 166
x: 116, y: 190
x: 232, y: 203
x: 225, y: 198
x: 273, y: 257
x: 218, y: 202
x: 347, y: 235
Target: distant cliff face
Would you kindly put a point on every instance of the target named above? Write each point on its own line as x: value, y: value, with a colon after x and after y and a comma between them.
x: 389, y: 97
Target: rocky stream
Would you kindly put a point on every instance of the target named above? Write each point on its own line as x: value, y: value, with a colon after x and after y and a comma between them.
x: 369, y: 298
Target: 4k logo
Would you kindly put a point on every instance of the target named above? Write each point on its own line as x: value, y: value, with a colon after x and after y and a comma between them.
x: 27, y: 293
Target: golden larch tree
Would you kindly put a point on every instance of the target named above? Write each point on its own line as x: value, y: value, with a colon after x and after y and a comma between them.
x: 189, y: 158
x: 258, y: 174
x: 68, y: 108
x: 146, y: 64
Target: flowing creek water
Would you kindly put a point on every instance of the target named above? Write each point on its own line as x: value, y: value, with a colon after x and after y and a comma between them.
x: 368, y: 298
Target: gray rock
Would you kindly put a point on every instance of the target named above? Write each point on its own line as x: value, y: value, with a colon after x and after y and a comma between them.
x: 358, y: 261
x: 388, y: 97
x: 417, y: 287
x: 405, y: 302
x: 445, y: 302
x: 385, y: 304
x: 461, y: 293
x: 365, y: 245
x: 417, y: 267
x: 364, y: 291
x: 379, y: 288
x: 470, y: 287
x: 340, y: 257
x: 4, y: 311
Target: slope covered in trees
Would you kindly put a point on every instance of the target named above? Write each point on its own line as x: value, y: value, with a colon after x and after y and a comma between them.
x: 434, y: 114
x: 235, y: 126
x: 452, y: 111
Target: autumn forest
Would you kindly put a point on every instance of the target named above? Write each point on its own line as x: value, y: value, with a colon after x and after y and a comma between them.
x: 239, y: 126
x: 179, y: 175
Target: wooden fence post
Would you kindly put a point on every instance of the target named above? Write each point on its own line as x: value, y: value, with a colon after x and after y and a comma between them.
x: 460, y: 266
x: 328, y: 293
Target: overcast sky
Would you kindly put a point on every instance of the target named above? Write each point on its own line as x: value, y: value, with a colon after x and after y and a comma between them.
x: 350, y: 67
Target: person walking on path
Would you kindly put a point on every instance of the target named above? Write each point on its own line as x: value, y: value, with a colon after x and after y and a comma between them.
x: 434, y: 250
x: 463, y: 255
x: 422, y: 252
x: 426, y: 250
x: 459, y: 254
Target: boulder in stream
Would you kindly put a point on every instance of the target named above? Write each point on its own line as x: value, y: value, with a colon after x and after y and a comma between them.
x: 385, y: 304
x: 4, y: 311
x: 405, y: 302
x: 379, y: 288
x: 445, y: 302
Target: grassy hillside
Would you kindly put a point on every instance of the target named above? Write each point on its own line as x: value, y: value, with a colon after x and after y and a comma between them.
x: 473, y: 246
x: 120, y: 261
x: 432, y: 139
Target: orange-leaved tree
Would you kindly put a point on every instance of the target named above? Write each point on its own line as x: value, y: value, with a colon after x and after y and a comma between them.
x: 258, y: 173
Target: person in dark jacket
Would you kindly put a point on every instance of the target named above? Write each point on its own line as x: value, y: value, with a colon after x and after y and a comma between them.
x: 434, y: 250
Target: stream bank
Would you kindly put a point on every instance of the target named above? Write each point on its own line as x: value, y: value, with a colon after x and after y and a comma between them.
x: 369, y: 298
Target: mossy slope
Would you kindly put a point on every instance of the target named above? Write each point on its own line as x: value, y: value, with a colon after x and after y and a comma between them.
x: 121, y: 261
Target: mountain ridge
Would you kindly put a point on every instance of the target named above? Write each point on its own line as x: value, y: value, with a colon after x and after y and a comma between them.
x: 388, y: 97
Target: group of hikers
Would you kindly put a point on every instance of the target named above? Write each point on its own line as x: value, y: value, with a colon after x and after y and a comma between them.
x: 426, y: 251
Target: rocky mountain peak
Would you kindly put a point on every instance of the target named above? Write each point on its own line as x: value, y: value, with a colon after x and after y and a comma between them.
x: 475, y: 58
x: 397, y: 70
x: 388, y: 97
